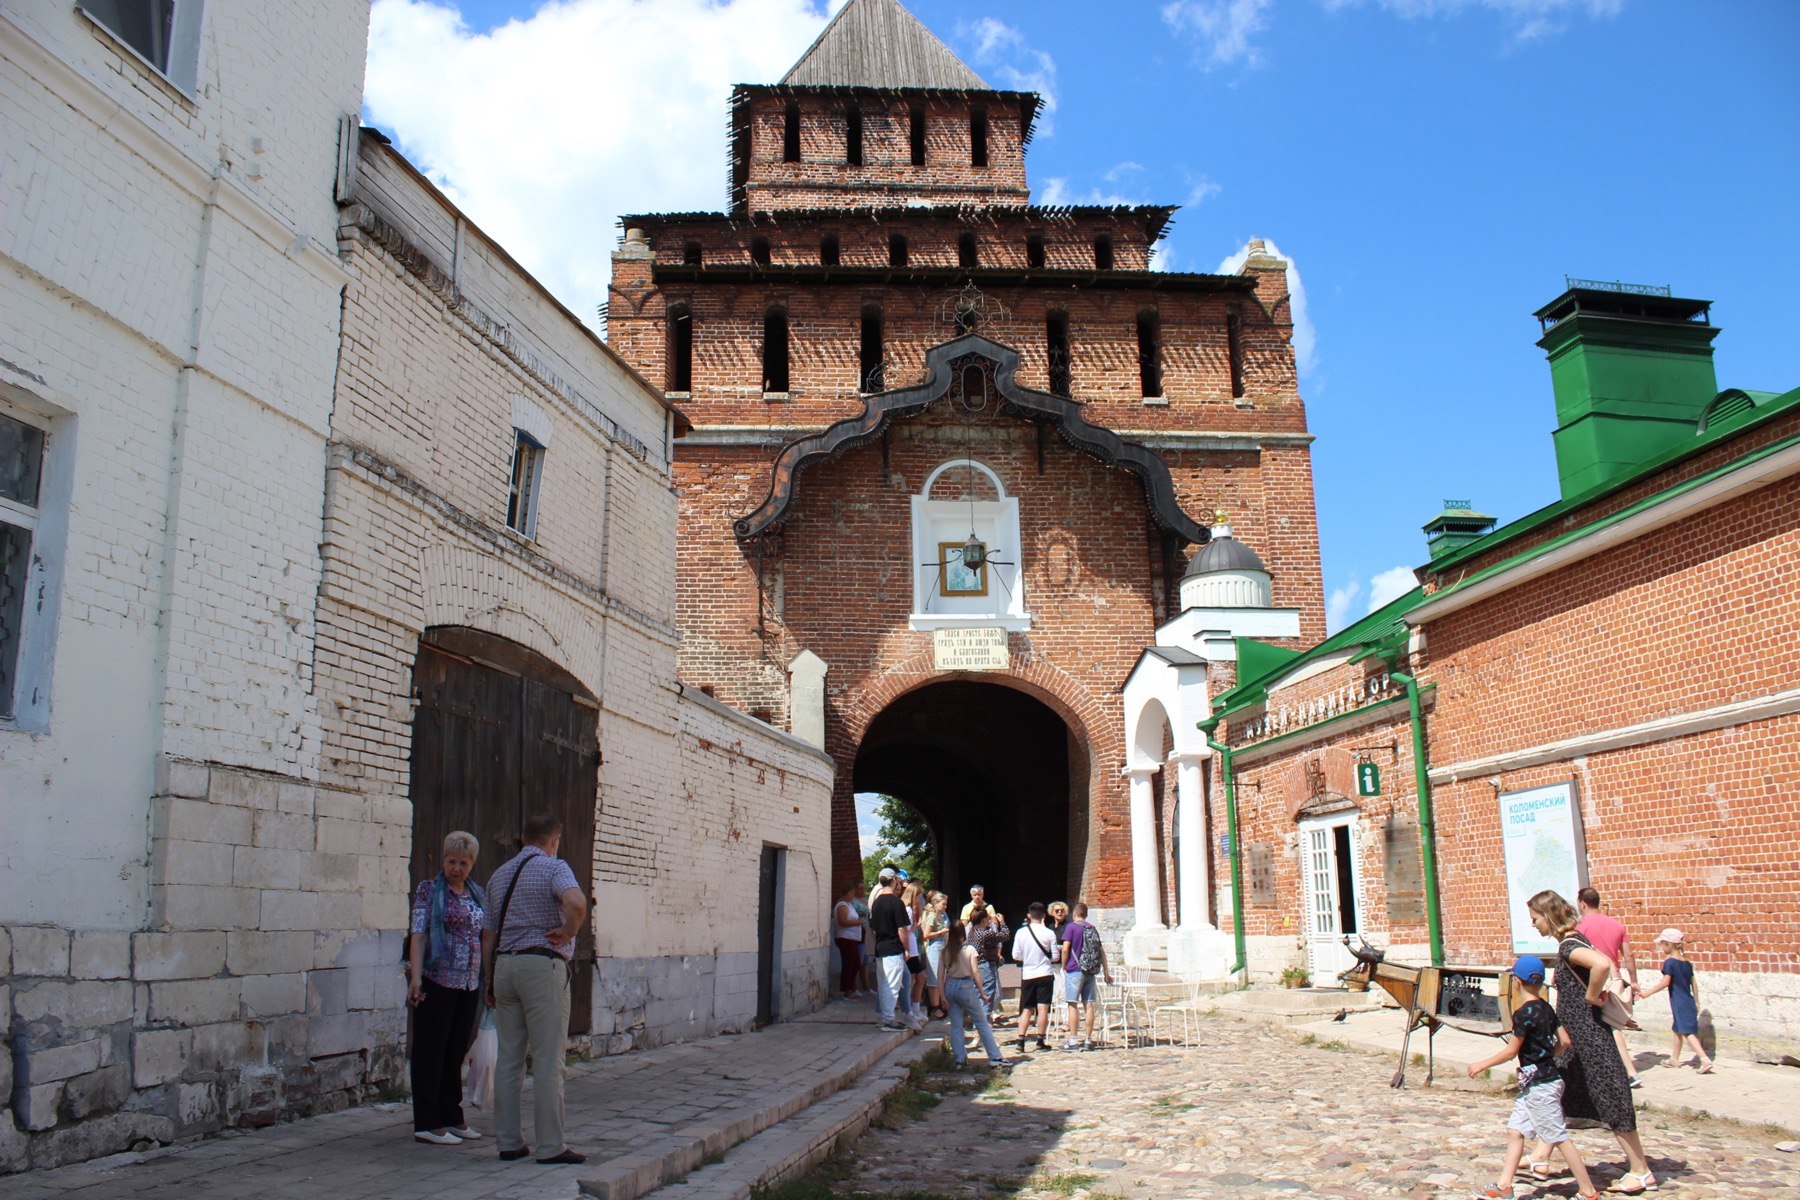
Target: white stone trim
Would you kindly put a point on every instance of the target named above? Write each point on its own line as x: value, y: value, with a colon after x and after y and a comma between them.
x: 1333, y: 727
x: 1662, y: 729
x: 1748, y: 478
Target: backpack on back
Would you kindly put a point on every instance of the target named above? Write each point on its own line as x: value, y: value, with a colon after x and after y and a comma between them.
x: 1092, y: 955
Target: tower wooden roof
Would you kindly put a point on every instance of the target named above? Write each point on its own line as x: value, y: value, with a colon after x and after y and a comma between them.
x: 878, y: 44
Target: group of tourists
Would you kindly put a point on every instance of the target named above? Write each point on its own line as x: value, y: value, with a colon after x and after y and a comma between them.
x: 926, y: 964
x: 471, y: 960
x: 1573, y: 1060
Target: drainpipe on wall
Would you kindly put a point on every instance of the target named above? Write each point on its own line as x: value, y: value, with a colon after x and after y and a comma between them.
x: 1427, y: 824
x: 1231, y: 823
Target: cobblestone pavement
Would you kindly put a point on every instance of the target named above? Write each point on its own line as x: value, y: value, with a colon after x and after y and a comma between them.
x: 1256, y: 1113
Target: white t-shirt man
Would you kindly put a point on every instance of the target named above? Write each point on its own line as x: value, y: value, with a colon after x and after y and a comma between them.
x: 1034, y: 948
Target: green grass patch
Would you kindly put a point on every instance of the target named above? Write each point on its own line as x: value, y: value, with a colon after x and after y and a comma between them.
x: 1309, y: 1039
x: 995, y: 1083
x: 1065, y: 1185
x: 1334, y: 1044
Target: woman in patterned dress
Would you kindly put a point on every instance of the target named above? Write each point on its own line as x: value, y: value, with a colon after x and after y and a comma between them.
x: 1595, y: 1085
x: 444, y: 989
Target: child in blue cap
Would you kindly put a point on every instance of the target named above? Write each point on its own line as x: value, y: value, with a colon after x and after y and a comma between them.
x: 1536, y: 1038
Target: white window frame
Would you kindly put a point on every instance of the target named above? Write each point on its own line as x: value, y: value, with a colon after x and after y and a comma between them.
x: 996, y: 523
x: 182, y: 69
x: 523, y: 495
x: 47, y: 525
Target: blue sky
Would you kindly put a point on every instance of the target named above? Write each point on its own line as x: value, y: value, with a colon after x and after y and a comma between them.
x: 1433, y: 168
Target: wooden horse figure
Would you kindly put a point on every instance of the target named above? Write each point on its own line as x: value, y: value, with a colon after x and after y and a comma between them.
x: 1435, y: 996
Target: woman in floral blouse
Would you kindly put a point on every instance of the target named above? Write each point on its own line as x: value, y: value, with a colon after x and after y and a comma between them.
x: 444, y: 989
x: 990, y: 937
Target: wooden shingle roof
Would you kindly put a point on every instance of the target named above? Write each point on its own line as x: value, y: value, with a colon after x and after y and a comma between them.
x: 878, y: 44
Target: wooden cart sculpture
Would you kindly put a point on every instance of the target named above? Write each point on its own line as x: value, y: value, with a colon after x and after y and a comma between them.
x: 1437, y: 996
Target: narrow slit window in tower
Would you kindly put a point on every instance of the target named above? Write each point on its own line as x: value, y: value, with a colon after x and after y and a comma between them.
x: 1234, y: 350
x: 870, y: 371
x: 978, y: 138
x: 759, y: 251
x: 681, y: 348
x: 691, y: 253
x: 897, y: 250
x: 1149, y: 337
x: 918, y: 137
x: 790, y: 134
x: 775, y: 350
x: 1034, y: 250
x: 1056, y: 345
x: 967, y: 253
x: 828, y: 250
x: 853, y: 131
x: 1103, y: 255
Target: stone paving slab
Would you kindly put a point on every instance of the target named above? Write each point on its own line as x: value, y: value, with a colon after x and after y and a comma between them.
x: 658, y: 1112
x: 1743, y: 1091
x: 1253, y: 1112
x: 791, y: 1148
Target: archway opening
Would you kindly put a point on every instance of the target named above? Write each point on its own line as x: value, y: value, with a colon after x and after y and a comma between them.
x: 1000, y: 779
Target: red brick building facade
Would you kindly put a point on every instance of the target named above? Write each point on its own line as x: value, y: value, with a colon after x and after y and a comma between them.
x: 881, y: 329
x: 1634, y: 647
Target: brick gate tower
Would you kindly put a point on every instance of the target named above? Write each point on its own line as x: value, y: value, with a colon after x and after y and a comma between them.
x: 952, y: 451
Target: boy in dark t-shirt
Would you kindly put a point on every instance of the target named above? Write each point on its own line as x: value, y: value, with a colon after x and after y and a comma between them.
x: 1536, y: 1038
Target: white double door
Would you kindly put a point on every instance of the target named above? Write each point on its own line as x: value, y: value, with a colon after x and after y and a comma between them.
x: 1330, y: 864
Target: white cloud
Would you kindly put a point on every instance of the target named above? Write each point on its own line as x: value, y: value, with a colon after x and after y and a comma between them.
x: 868, y: 825
x: 1529, y: 19
x: 1389, y: 585
x: 1009, y: 61
x: 1057, y: 191
x: 1224, y: 29
x: 1202, y: 190
x: 545, y: 129
x: 1306, y: 337
x: 1337, y: 605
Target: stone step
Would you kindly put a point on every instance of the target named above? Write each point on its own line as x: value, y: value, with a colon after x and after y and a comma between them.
x: 1296, y: 1005
x: 677, y: 1155
x: 794, y: 1147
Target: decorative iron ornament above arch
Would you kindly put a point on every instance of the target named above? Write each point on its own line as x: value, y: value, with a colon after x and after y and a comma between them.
x: 940, y: 375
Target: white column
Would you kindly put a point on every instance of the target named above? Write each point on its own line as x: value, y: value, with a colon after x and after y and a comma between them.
x: 1143, y: 852
x: 1193, y: 857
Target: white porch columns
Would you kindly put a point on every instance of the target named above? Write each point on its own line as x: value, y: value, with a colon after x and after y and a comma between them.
x: 1143, y: 853
x: 1197, y: 948
x: 1148, y: 942
x: 1193, y: 857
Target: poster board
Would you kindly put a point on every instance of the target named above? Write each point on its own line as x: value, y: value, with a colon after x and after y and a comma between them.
x: 1540, y: 832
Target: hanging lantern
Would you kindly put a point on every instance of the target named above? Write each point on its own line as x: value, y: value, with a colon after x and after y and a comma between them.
x: 974, y: 553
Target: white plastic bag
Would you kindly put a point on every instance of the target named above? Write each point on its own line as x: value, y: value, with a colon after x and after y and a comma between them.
x: 478, y: 1085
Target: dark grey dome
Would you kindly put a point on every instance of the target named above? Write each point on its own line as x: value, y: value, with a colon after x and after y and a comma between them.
x: 1224, y: 554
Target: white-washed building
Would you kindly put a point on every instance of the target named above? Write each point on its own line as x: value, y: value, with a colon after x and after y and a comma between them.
x: 260, y: 446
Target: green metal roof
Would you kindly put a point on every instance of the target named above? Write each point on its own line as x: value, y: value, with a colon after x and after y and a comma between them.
x: 1719, y: 431
x: 1648, y: 502
x: 1260, y: 664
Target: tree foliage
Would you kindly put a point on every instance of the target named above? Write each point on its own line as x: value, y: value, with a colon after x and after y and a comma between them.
x: 905, y: 841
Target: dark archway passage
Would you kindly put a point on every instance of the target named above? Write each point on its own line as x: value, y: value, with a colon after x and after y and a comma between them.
x: 999, y: 777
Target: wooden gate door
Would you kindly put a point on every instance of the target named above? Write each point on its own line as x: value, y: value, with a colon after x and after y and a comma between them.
x: 560, y: 762
x: 501, y: 733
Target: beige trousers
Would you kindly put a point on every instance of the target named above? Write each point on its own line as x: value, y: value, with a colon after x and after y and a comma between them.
x: 531, y: 997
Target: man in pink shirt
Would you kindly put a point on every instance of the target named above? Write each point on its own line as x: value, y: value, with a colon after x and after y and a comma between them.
x: 1609, y: 938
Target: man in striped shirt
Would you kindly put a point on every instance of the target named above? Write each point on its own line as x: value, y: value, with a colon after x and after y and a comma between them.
x: 527, y: 941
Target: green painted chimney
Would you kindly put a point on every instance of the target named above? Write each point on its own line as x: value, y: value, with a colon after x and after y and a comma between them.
x: 1632, y: 369
x: 1455, y: 527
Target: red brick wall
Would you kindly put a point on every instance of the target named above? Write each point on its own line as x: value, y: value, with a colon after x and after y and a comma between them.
x: 823, y: 179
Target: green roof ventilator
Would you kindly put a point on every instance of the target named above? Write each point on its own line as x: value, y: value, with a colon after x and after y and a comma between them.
x: 1632, y: 371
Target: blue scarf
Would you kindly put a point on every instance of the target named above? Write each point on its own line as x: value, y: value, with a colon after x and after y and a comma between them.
x: 437, y: 946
